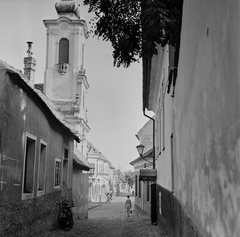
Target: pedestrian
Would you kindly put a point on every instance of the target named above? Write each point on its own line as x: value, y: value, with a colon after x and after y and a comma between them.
x: 128, y: 205
x: 108, y: 198
x: 99, y: 198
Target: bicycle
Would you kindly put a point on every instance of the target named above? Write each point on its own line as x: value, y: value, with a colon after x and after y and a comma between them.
x: 65, y: 216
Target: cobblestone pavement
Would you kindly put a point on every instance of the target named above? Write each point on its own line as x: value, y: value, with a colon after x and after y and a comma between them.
x: 110, y: 220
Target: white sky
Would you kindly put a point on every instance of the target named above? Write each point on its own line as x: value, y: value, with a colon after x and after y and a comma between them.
x: 115, y: 94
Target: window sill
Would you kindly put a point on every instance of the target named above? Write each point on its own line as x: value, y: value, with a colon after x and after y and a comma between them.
x: 26, y: 196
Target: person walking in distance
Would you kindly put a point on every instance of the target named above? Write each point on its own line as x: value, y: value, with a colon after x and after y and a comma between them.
x: 108, y: 198
x: 128, y: 205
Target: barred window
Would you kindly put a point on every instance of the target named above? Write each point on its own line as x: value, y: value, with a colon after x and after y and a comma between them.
x: 63, y: 51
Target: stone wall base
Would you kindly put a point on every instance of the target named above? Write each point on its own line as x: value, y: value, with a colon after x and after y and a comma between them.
x: 31, y: 217
x: 173, y: 218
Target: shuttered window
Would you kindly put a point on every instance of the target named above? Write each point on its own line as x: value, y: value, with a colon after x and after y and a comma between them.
x: 63, y: 51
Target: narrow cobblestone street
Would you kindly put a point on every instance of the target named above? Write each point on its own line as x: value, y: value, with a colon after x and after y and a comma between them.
x: 110, y: 220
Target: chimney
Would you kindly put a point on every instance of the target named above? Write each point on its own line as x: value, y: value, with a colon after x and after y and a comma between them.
x: 29, y: 64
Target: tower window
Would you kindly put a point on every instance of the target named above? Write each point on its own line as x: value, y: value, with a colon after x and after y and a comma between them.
x: 63, y: 51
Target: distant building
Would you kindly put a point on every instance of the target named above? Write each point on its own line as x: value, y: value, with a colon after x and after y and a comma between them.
x: 101, y: 177
x: 121, y: 182
x: 143, y: 189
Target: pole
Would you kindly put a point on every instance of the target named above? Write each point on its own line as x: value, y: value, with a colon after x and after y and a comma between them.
x: 153, y: 185
x: 153, y: 136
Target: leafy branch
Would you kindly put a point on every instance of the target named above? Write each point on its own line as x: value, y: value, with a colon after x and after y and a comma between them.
x: 135, y: 27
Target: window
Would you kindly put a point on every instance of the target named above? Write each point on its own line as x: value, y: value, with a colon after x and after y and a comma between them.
x: 92, y: 170
x: 148, y: 191
x: 65, y: 154
x: 29, y: 164
x: 135, y: 185
x: 139, y: 194
x: 65, y: 168
x: 57, y: 173
x: 63, y: 51
x: 42, y: 168
x: 160, y: 202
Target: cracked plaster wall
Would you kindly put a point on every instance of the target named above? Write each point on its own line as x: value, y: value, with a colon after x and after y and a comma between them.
x: 207, y: 116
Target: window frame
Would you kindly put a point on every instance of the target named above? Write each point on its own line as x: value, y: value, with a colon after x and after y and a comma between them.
x: 59, y: 184
x: 41, y: 192
x: 24, y: 194
x: 92, y: 170
x: 140, y: 189
x: 136, y: 186
x: 65, y: 167
x: 60, y: 56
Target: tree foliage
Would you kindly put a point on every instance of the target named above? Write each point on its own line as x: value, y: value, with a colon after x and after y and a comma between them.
x: 130, y: 178
x: 134, y: 27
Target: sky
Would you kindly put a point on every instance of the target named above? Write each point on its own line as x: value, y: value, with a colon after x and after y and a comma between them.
x: 115, y: 94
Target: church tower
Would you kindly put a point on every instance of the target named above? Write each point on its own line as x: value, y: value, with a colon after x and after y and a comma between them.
x: 65, y: 82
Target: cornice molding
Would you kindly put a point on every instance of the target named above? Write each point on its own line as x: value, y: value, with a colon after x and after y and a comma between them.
x: 79, y: 22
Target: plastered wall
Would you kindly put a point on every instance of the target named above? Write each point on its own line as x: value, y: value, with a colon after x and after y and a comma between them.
x: 207, y: 116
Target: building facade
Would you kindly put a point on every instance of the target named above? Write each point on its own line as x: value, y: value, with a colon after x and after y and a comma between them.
x: 36, y: 174
x: 145, y: 162
x: 197, y: 117
x: 101, y: 177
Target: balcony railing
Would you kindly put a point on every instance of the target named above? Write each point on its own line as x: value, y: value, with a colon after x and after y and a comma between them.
x: 63, y: 68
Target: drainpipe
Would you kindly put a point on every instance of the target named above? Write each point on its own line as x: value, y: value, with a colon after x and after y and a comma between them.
x: 153, y: 185
x: 153, y: 136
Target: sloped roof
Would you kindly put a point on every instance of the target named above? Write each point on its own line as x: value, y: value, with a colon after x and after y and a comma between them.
x: 49, y: 105
x: 118, y: 180
x: 145, y: 135
x: 80, y: 160
x: 120, y: 175
x: 95, y: 151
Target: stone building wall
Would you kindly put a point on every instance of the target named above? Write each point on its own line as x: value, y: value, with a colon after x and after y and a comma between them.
x: 31, y: 217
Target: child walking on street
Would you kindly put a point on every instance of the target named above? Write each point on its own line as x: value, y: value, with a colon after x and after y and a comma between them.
x: 128, y: 205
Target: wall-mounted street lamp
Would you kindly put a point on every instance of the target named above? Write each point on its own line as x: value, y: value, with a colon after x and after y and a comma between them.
x: 140, y: 149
